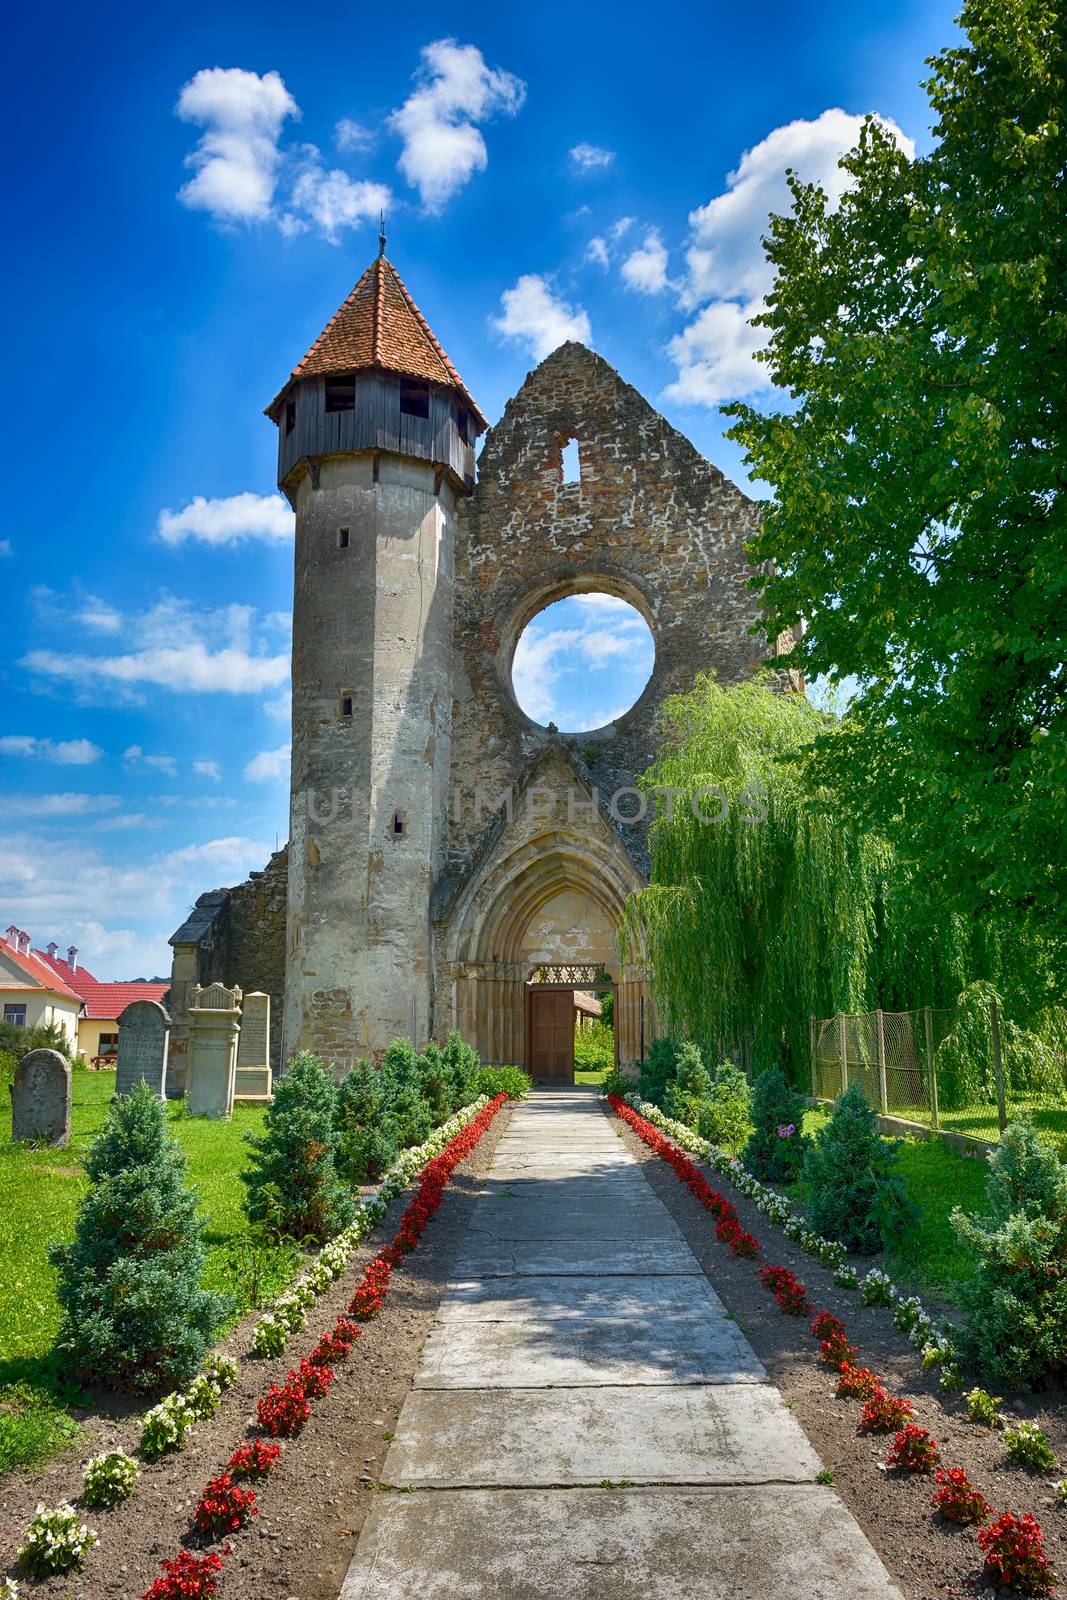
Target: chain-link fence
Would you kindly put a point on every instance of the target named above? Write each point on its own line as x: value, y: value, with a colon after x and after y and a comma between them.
x: 959, y: 1069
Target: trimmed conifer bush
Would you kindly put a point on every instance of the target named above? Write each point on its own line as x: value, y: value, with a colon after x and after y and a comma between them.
x: 776, y: 1145
x: 1015, y: 1306
x: 690, y: 1088
x: 436, y: 1082
x: 657, y: 1069
x: 463, y: 1066
x: 134, y: 1314
x: 292, y: 1180
x: 724, y: 1118
x: 855, y: 1193
x: 366, y: 1136
x: 402, y: 1085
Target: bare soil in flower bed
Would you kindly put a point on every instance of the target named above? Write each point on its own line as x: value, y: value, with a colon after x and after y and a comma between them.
x: 927, y: 1557
x: 312, y: 1506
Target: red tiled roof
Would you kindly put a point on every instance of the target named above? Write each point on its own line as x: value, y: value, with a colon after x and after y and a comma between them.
x: 380, y: 326
x: 37, y: 967
x: 103, y: 1001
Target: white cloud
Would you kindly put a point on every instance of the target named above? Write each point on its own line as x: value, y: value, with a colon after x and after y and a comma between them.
x: 349, y: 135
x: 620, y: 228
x: 135, y: 760
x: 235, y: 163
x: 100, y: 616
x: 536, y: 670
x: 591, y: 158
x: 534, y: 315
x: 58, y: 805
x: 228, y: 520
x: 332, y: 200
x: 6, y: 548
x: 597, y: 251
x: 208, y: 769
x: 645, y: 269
x: 269, y: 765
x: 65, y: 753
x: 442, y: 146
x: 280, y: 709
x: 727, y: 275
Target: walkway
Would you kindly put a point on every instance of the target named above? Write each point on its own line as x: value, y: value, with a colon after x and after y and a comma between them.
x: 587, y: 1421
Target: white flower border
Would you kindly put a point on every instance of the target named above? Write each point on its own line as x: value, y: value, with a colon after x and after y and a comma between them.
x: 933, y: 1340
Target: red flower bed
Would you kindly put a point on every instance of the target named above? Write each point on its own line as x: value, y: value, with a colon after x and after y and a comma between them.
x: 856, y: 1383
x: 253, y: 1460
x: 884, y: 1413
x: 186, y: 1577
x: 824, y: 1325
x: 369, y: 1297
x: 224, y: 1506
x: 1014, y: 1549
x: 334, y: 1346
x: 837, y: 1352
x: 913, y: 1450
x: 958, y: 1499
x: 313, y: 1378
x: 787, y: 1290
x: 284, y: 1409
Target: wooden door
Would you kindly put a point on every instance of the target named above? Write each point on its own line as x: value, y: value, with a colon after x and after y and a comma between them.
x: 550, y: 1057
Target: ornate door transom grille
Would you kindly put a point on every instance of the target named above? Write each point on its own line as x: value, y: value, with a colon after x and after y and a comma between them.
x: 581, y: 975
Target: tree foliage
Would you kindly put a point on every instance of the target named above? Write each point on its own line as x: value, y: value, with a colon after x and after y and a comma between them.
x: 292, y: 1180
x: 134, y: 1314
x: 366, y: 1133
x: 855, y: 1193
x: 776, y: 1146
x: 917, y: 526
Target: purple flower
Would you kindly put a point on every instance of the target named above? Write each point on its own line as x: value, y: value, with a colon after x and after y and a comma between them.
x: 786, y: 1130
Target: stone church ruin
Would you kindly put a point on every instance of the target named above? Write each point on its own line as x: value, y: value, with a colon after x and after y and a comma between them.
x: 451, y: 863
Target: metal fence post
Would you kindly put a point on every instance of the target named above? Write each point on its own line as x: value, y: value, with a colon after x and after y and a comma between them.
x: 842, y: 1050
x: 811, y: 1054
x: 883, y: 1088
x: 998, y: 1067
x: 931, y: 1075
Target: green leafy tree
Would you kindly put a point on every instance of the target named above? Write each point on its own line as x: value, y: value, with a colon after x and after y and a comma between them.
x: 292, y: 1180
x: 402, y: 1082
x: 690, y: 1088
x: 657, y: 1069
x: 366, y: 1138
x: 776, y: 1145
x: 855, y: 1193
x: 917, y: 526
x: 134, y: 1314
x: 594, y: 1046
x: 1015, y: 1306
x: 724, y: 1118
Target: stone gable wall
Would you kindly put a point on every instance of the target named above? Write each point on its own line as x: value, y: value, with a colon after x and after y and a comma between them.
x: 247, y: 948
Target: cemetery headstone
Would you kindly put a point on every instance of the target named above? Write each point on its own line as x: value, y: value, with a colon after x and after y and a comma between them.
x: 40, y: 1098
x: 253, y: 1049
x: 215, y: 1016
x: 144, y: 1029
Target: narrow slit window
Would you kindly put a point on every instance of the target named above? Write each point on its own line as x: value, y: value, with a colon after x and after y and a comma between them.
x: 340, y: 394
x: 290, y: 415
x: 399, y: 824
x: 346, y: 705
x: 570, y: 466
x: 343, y: 538
x: 414, y: 400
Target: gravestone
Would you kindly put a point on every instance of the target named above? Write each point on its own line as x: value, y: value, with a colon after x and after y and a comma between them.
x: 40, y: 1098
x: 215, y: 1018
x: 144, y: 1029
x: 253, y: 1080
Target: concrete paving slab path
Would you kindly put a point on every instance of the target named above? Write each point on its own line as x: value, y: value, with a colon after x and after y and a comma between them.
x: 587, y: 1421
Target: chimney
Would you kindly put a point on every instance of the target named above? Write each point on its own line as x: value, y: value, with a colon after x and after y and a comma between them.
x: 12, y: 937
x: 52, y: 949
x: 72, y: 958
x: 24, y: 944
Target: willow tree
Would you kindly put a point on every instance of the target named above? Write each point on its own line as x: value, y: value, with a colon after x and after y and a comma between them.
x: 765, y: 906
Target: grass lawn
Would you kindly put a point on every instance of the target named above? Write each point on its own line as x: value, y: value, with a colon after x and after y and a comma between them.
x: 39, y: 1195
x: 590, y: 1077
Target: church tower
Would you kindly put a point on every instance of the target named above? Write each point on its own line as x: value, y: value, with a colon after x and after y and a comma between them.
x: 376, y: 436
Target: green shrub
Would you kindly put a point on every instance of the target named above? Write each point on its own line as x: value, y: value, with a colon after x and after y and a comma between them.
x: 292, y: 1181
x: 657, y: 1069
x: 594, y: 1047
x: 767, y: 1153
x: 436, y: 1082
x: 690, y: 1087
x: 511, y: 1081
x: 982, y: 1408
x: 402, y: 1085
x: 134, y: 1314
x: 617, y: 1082
x: 1015, y: 1306
x: 463, y: 1063
x: 366, y: 1136
x: 1027, y: 1446
x: 725, y: 1118
x: 855, y: 1194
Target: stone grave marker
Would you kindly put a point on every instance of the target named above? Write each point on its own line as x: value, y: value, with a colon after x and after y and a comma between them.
x: 215, y: 1015
x: 144, y: 1030
x: 253, y: 1049
x: 40, y: 1098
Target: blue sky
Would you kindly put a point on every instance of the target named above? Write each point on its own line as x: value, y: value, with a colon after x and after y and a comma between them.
x: 198, y: 190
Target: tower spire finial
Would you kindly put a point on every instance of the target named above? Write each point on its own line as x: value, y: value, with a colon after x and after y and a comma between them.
x: 381, y: 234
